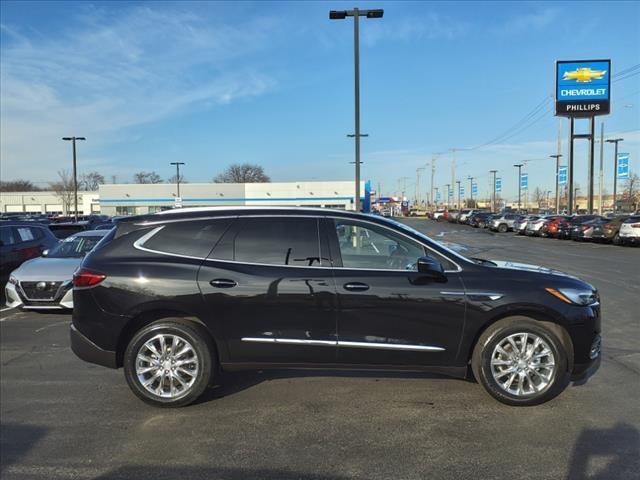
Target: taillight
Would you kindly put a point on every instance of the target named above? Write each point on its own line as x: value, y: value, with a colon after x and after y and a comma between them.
x: 608, y: 225
x: 635, y: 225
x: 585, y: 227
x: 87, y: 278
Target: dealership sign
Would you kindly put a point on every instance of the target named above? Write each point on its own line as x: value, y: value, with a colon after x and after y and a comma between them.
x: 562, y: 175
x: 498, y: 185
x: 461, y: 192
x: 524, y: 181
x: 622, y: 170
x: 474, y: 189
x: 583, y: 88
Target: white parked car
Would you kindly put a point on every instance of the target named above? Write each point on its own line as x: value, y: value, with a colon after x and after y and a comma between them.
x: 45, y: 282
x: 630, y: 230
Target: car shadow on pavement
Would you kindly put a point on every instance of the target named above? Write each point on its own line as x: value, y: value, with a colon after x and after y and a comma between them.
x: 16, y: 440
x: 605, y: 454
x: 230, y: 383
x: 208, y: 473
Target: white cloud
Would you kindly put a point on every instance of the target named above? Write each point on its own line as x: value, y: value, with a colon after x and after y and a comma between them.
x: 431, y: 26
x: 526, y: 22
x: 109, y: 73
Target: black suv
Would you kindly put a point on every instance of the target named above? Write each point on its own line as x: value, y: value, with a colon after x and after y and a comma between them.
x: 175, y: 297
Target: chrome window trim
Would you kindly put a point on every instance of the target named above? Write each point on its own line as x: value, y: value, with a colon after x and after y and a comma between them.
x: 343, y: 343
x: 139, y: 244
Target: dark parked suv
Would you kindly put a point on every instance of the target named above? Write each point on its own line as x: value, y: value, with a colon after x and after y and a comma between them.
x: 175, y: 297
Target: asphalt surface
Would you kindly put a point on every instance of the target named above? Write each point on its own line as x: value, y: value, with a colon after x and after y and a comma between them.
x: 62, y: 418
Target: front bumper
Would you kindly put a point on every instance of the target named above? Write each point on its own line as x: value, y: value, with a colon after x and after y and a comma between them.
x: 15, y: 298
x: 88, y: 351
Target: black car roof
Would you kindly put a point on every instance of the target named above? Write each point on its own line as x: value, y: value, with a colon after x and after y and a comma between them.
x: 21, y: 223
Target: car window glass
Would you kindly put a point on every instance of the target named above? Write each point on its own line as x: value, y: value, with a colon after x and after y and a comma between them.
x: 278, y: 241
x: 36, y: 232
x: 6, y: 236
x: 367, y: 246
x: 25, y: 234
x: 191, y: 238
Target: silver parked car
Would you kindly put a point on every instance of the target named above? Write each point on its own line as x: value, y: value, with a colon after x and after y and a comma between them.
x: 503, y: 223
x: 520, y: 225
x: 45, y: 282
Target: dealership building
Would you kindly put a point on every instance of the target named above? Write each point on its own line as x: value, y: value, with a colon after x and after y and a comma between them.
x: 136, y: 199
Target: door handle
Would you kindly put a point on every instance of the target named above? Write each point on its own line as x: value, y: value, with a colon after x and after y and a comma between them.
x: 356, y: 287
x: 223, y: 283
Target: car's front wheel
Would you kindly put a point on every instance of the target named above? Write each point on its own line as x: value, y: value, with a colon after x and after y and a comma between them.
x: 520, y: 362
x: 169, y: 363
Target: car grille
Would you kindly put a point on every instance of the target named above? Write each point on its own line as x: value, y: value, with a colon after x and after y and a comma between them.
x: 40, y: 290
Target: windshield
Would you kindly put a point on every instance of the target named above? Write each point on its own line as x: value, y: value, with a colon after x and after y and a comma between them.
x: 74, y: 247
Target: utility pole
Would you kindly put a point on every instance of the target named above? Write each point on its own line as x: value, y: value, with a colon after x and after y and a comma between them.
x: 493, y: 198
x: 448, y: 191
x: 433, y: 174
x: 601, y: 174
x: 177, y: 164
x: 557, y: 157
x: 356, y: 14
x: 458, y: 182
x: 418, y: 170
x: 75, y: 175
x: 519, y: 166
x: 435, y: 199
x: 615, y: 168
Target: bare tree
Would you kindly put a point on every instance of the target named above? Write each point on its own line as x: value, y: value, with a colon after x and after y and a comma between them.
x: 173, y: 178
x: 90, y: 181
x: 63, y: 189
x: 631, y: 189
x: 539, y: 196
x: 18, y: 186
x: 242, y: 173
x: 147, y: 177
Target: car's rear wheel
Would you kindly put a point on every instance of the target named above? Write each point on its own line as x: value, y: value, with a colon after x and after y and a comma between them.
x: 520, y: 362
x: 169, y: 363
x: 502, y: 228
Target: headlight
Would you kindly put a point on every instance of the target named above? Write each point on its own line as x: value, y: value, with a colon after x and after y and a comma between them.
x: 575, y: 296
x: 13, y: 280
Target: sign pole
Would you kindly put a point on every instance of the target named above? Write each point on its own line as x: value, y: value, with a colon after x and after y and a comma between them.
x: 592, y: 138
x: 570, y: 167
x: 600, y: 178
x: 615, y: 176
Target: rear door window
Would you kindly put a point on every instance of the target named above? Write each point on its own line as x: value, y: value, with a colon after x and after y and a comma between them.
x: 190, y: 238
x: 288, y: 241
x: 25, y: 234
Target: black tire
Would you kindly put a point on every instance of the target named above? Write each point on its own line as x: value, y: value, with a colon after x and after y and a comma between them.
x: 499, y: 331
x: 503, y: 228
x: 616, y: 239
x: 202, y: 346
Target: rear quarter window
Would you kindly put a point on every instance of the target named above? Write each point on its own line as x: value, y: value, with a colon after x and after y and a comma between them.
x: 191, y: 238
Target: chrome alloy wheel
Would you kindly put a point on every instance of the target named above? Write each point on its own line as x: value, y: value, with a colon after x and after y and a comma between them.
x: 523, y: 364
x: 167, y: 366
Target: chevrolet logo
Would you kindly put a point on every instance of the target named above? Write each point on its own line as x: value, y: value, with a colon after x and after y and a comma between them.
x: 584, y: 75
x: 41, y: 285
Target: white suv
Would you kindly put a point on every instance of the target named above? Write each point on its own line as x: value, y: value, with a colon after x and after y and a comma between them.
x: 630, y: 230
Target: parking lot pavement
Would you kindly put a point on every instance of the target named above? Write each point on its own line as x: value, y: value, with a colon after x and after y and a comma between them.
x: 62, y: 418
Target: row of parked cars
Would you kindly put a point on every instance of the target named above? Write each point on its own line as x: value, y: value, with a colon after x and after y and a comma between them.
x: 621, y: 229
x: 38, y: 256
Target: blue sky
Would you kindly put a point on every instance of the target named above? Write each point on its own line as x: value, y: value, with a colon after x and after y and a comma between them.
x: 214, y: 83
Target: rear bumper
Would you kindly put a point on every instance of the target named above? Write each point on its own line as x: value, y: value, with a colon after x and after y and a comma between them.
x: 88, y: 351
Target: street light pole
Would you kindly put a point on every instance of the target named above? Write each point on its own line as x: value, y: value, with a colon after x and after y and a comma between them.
x: 177, y: 164
x: 557, y: 157
x: 458, y: 182
x: 75, y: 175
x: 615, y: 168
x: 493, y: 198
x: 356, y: 14
x: 448, y: 185
x: 470, y: 178
x: 519, y: 165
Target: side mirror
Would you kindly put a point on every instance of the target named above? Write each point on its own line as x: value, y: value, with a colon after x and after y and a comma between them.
x: 45, y: 252
x: 431, y: 267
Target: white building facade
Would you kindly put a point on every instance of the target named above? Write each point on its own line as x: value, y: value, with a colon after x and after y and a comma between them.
x: 137, y: 199
x: 47, y: 203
